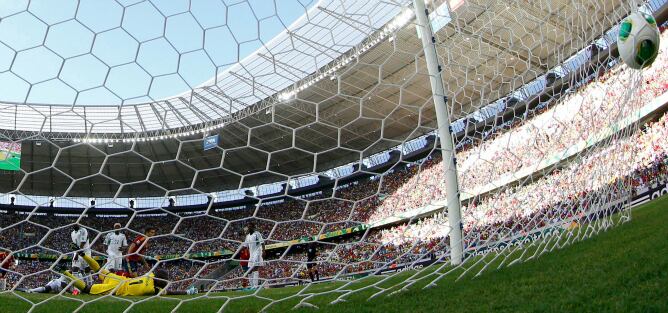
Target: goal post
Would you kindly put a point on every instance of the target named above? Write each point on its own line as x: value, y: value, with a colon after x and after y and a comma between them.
x: 444, y: 131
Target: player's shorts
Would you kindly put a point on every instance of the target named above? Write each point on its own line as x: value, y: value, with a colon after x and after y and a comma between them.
x: 255, y: 262
x: 310, y: 264
x: 132, y: 266
x: 79, y: 262
x: 114, y: 261
x: 245, y: 268
x: 3, y: 272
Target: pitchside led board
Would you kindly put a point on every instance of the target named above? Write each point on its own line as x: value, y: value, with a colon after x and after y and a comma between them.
x: 10, y: 156
x: 210, y: 142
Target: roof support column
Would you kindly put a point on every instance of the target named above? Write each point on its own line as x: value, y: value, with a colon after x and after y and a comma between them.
x: 444, y: 131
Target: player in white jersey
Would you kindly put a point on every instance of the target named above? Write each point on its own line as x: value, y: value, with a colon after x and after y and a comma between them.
x: 255, y: 244
x: 80, y: 242
x: 114, y: 242
x: 53, y: 286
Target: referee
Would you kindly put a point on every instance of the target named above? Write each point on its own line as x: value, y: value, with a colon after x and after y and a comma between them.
x: 310, y: 262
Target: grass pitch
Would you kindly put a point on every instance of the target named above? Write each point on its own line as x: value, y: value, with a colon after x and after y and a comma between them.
x: 622, y: 270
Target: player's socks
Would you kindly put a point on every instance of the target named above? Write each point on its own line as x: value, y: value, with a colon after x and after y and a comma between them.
x: 310, y: 274
x: 77, y: 282
x: 92, y: 263
x: 38, y: 289
x: 3, y: 284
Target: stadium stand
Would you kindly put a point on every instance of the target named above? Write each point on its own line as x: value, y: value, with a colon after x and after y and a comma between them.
x: 555, y: 125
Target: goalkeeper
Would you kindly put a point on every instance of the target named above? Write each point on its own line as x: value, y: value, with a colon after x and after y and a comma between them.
x: 152, y: 284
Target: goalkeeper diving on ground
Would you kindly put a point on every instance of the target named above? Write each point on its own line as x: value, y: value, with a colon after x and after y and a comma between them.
x: 152, y: 284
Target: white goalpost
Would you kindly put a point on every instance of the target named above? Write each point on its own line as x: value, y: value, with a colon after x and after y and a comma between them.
x: 444, y: 131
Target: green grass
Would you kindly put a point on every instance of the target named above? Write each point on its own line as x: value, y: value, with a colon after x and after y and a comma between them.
x: 622, y: 270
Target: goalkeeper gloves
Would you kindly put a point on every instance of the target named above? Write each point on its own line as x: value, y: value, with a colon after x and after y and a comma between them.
x: 191, y: 291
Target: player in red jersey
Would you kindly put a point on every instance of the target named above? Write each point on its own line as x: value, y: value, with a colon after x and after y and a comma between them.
x: 244, y: 255
x: 6, y: 263
x: 125, y: 274
x: 135, y: 251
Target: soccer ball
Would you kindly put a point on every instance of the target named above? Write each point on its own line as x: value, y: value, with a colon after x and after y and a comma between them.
x: 638, y: 40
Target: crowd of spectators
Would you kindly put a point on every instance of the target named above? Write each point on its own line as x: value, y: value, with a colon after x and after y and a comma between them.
x: 577, y: 193
x: 583, y: 112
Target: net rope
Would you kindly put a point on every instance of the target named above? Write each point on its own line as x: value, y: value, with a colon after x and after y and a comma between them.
x: 556, y: 140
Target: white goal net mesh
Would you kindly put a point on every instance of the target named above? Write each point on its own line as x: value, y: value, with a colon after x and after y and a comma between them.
x: 324, y: 140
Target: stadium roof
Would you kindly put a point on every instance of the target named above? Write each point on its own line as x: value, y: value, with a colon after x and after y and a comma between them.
x: 377, y: 100
x: 322, y: 34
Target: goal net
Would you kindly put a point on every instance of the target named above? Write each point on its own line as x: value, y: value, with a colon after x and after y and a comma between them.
x: 244, y: 147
